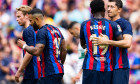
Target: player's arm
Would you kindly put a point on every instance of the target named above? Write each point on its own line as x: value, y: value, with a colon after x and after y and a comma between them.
x: 77, y: 77
x: 28, y: 36
x: 41, y: 38
x: 83, y: 43
x: 124, y: 43
x: 135, y: 67
x: 37, y: 50
x: 82, y: 37
x: 27, y: 58
x: 40, y: 44
x: 126, y: 40
x: 63, y: 51
x: 80, y: 72
x: 127, y: 37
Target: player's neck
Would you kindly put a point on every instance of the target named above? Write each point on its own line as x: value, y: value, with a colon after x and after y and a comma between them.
x: 115, y: 18
x: 41, y: 24
x: 27, y: 24
x: 98, y: 15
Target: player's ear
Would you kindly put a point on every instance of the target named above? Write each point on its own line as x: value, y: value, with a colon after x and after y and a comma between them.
x: 119, y: 10
x: 26, y: 16
x: 37, y: 19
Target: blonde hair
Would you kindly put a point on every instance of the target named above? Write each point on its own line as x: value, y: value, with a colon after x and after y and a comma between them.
x: 24, y: 8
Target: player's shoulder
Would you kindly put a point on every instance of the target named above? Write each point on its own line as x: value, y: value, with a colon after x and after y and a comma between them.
x: 42, y: 30
x: 121, y: 20
x: 28, y: 29
x: 53, y: 27
x: 85, y: 22
x: 124, y: 21
x: 114, y: 24
x: 111, y: 22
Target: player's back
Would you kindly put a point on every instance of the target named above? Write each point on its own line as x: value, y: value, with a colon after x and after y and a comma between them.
x: 33, y: 69
x: 120, y: 59
x: 51, y: 37
x: 98, y: 57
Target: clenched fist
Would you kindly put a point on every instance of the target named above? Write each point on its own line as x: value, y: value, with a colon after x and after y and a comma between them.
x: 20, y: 43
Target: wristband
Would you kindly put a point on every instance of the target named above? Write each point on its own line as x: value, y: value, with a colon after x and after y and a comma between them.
x: 24, y: 46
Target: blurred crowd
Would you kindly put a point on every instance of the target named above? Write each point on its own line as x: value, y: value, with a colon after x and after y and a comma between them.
x: 60, y: 13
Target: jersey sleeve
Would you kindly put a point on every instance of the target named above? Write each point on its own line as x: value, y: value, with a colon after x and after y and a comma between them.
x: 62, y: 37
x: 127, y: 29
x: 28, y: 37
x: 82, y: 31
x: 117, y: 31
x: 41, y: 37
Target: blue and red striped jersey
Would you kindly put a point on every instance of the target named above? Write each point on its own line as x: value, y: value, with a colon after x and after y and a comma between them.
x: 33, y: 69
x: 51, y: 37
x: 99, y: 58
x: 120, y: 58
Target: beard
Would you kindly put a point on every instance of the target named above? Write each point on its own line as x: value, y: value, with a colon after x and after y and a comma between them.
x: 78, y: 36
x: 35, y: 26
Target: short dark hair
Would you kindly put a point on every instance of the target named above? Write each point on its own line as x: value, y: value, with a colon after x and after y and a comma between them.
x: 97, y: 6
x: 71, y: 25
x: 36, y: 11
x: 119, y: 3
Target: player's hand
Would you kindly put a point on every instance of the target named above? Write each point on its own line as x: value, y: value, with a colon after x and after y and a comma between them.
x: 85, y: 51
x: 20, y: 43
x: 17, y: 76
x: 102, y: 39
x: 77, y: 77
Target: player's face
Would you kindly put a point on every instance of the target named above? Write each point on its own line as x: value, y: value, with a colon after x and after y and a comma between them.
x: 112, y: 9
x: 33, y: 22
x: 74, y: 32
x: 31, y: 19
x: 20, y: 18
